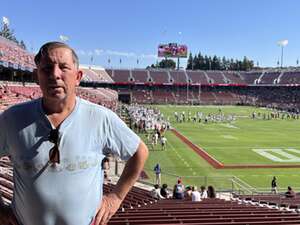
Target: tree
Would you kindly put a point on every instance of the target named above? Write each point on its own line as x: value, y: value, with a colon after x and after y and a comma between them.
x: 7, y: 33
x: 22, y: 45
x: 190, y: 62
x: 167, y: 64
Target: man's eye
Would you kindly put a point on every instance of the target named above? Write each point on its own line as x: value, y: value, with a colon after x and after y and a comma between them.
x: 64, y: 68
x: 47, y: 68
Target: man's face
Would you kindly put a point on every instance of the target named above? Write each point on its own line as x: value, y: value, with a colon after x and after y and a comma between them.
x: 58, y: 75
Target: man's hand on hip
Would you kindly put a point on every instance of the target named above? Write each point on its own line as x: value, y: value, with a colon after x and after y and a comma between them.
x: 110, y: 204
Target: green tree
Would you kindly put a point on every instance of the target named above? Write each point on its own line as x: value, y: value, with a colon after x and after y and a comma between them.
x: 7, y: 33
x: 167, y: 64
x: 190, y: 62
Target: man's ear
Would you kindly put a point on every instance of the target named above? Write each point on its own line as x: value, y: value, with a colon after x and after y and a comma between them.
x: 79, y: 76
x: 35, y: 76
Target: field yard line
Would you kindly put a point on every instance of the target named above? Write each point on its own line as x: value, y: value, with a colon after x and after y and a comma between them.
x: 185, y: 162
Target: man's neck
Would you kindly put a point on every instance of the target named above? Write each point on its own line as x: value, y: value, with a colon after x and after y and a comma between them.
x: 58, y: 111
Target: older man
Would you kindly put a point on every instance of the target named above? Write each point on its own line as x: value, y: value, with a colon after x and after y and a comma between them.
x: 57, y: 143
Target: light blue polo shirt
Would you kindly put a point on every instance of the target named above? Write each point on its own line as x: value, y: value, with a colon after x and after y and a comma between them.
x: 67, y: 193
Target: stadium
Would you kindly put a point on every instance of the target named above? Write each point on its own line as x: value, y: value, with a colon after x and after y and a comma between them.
x: 226, y: 128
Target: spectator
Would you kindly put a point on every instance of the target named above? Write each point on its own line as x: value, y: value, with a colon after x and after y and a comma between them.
x: 290, y: 193
x: 57, y: 144
x: 178, y: 191
x: 196, y: 197
x: 211, y: 193
x: 203, y: 192
x: 155, y: 193
x: 157, y: 171
x: 164, y: 191
x: 274, y: 186
x: 105, y: 168
x: 188, y: 192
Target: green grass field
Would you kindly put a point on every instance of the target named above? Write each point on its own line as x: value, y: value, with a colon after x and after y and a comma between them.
x: 229, y: 143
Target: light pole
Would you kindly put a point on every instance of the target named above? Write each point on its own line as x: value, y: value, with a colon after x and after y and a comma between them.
x: 282, y: 44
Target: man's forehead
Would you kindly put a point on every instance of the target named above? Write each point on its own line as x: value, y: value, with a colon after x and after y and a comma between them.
x: 55, y: 54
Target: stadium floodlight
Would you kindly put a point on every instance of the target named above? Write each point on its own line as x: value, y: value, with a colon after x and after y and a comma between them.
x: 5, y: 21
x: 282, y: 44
x: 64, y: 38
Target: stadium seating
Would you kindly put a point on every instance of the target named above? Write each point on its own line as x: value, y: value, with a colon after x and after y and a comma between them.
x: 250, y: 77
x: 119, y: 75
x: 178, y: 77
x: 216, y: 77
x: 292, y: 77
x: 234, y: 77
x: 159, y: 76
x: 13, y: 56
x: 140, y: 76
x: 269, y: 78
x: 197, y: 77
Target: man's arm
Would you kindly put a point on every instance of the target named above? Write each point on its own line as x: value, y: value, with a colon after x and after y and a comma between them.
x: 131, y: 172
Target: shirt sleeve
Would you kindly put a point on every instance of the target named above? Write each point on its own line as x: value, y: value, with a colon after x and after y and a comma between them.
x: 120, y: 139
x: 3, y: 134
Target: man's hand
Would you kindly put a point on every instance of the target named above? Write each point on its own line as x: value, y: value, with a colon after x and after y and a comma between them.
x: 110, y: 204
x: 7, y: 216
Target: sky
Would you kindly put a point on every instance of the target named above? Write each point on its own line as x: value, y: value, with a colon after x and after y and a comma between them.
x: 131, y: 30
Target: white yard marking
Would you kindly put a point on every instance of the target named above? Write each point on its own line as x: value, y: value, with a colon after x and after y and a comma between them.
x: 179, y: 156
x: 286, y: 157
x: 226, y: 136
x: 229, y: 125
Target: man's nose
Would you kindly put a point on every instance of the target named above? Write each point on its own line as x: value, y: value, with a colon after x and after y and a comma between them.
x: 56, y: 72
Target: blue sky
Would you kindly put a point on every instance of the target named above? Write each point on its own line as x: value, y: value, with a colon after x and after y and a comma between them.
x: 132, y: 29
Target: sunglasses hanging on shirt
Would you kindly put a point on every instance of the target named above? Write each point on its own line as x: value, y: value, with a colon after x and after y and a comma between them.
x: 54, y: 155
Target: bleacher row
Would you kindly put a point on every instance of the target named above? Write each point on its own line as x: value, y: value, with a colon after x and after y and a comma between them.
x: 181, y: 96
x: 204, y: 77
x: 12, y: 55
x: 140, y: 208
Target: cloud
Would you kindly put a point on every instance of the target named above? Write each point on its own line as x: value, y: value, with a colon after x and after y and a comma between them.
x: 149, y: 56
x: 98, y: 51
x: 103, y: 52
x: 117, y: 53
x: 81, y: 52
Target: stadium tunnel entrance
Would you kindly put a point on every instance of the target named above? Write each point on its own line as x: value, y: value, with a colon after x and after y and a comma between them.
x: 124, y: 98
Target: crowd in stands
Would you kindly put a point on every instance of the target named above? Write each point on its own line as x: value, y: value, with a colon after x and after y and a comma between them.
x: 182, y: 192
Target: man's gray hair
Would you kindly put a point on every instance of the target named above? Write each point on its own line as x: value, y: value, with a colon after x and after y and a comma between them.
x: 44, y: 51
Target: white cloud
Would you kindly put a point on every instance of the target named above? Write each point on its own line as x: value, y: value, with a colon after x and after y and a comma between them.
x: 98, y: 51
x: 103, y: 52
x: 81, y: 52
x: 117, y: 53
x: 149, y: 56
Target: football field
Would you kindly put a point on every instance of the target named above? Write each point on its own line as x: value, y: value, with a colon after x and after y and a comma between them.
x: 232, y: 137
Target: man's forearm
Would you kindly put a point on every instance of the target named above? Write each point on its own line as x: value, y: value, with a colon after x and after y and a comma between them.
x: 131, y: 171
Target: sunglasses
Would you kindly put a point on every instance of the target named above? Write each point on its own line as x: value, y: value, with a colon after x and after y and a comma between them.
x: 54, y: 156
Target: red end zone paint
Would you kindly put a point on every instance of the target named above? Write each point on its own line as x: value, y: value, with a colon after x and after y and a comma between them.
x: 217, y: 165
x: 212, y: 161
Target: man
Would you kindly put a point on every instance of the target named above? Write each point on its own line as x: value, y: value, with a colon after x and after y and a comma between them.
x: 274, y: 186
x: 157, y: 171
x: 163, y: 142
x: 57, y: 143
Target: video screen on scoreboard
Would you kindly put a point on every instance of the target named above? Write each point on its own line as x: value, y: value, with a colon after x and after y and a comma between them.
x: 172, y: 50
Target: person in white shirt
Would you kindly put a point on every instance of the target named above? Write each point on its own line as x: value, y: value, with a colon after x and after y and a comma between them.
x: 203, y: 192
x: 196, y: 197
